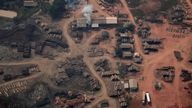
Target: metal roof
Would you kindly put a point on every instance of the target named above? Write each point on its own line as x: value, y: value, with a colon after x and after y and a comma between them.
x: 133, y: 83
x: 111, y: 20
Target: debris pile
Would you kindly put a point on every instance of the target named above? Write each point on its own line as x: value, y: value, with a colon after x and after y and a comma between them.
x: 166, y: 73
x: 39, y: 95
x: 108, y: 5
x: 100, y: 38
x: 123, y: 102
x: 13, y: 88
x: 125, y: 69
x: 144, y: 31
x: 27, y: 51
x: 133, y: 68
x: 190, y: 87
x: 6, y: 54
x: 151, y: 45
x: 39, y: 48
x: 69, y: 99
x: 102, y: 65
x: 181, y: 30
x: 177, y: 14
x: 186, y: 75
x: 188, y: 13
x: 15, y: 72
x: 54, y: 36
x: 126, y: 49
x: 190, y: 56
x: 104, y: 104
x: 115, y: 89
x: 74, y: 69
x: 77, y: 36
x: 178, y: 55
x: 95, y: 51
x: 96, y: 40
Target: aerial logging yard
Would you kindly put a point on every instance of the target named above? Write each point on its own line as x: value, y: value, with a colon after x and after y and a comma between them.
x: 96, y: 54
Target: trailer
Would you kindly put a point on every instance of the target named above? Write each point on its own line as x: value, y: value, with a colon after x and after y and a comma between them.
x: 148, y: 97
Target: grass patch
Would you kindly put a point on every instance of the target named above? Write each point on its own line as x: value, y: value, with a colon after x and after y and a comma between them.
x: 24, y: 13
x: 4, y: 21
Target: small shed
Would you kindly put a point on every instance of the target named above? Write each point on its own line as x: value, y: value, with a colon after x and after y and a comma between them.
x: 126, y: 86
x: 95, y: 25
x: 133, y: 85
x: 111, y: 20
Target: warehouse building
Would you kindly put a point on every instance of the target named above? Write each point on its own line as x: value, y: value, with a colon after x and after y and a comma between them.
x: 82, y: 23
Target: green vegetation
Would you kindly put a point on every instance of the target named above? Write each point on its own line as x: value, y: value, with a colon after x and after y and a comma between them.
x: 10, y: 4
x: 133, y: 3
x: 57, y: 9
x: 4, y: 21
x: 105, y: 35
x: 118, y: 52
x: 120, y: 29
x: 129, y: 26
x: 111, y: 1
x: 17, y: 5
x: 167, y: 4
x: 24, y: 13
x: 138, y: 13
x: 126, y: 27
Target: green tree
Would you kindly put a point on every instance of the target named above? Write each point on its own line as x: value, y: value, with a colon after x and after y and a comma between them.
x: 57, y: 9
x: 129, y: 26
x: 120, y: 29
x: 118, y: 52
x: 105, y: 35
x: 110, y: 1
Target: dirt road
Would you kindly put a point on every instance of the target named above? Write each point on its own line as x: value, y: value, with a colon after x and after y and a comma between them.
x: 131, y: 18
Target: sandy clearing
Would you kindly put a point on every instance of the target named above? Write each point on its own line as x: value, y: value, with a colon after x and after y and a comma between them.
x: 7, y: 13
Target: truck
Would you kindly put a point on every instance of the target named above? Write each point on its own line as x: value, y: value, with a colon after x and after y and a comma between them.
x: 148, y: 97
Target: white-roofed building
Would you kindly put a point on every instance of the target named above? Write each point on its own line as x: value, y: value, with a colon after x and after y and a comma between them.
x: 95, y: 25
x: 111, y: 20
x: 126, y: 86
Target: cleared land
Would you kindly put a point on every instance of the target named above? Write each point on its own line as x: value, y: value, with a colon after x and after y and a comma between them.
x: 8, y: 14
